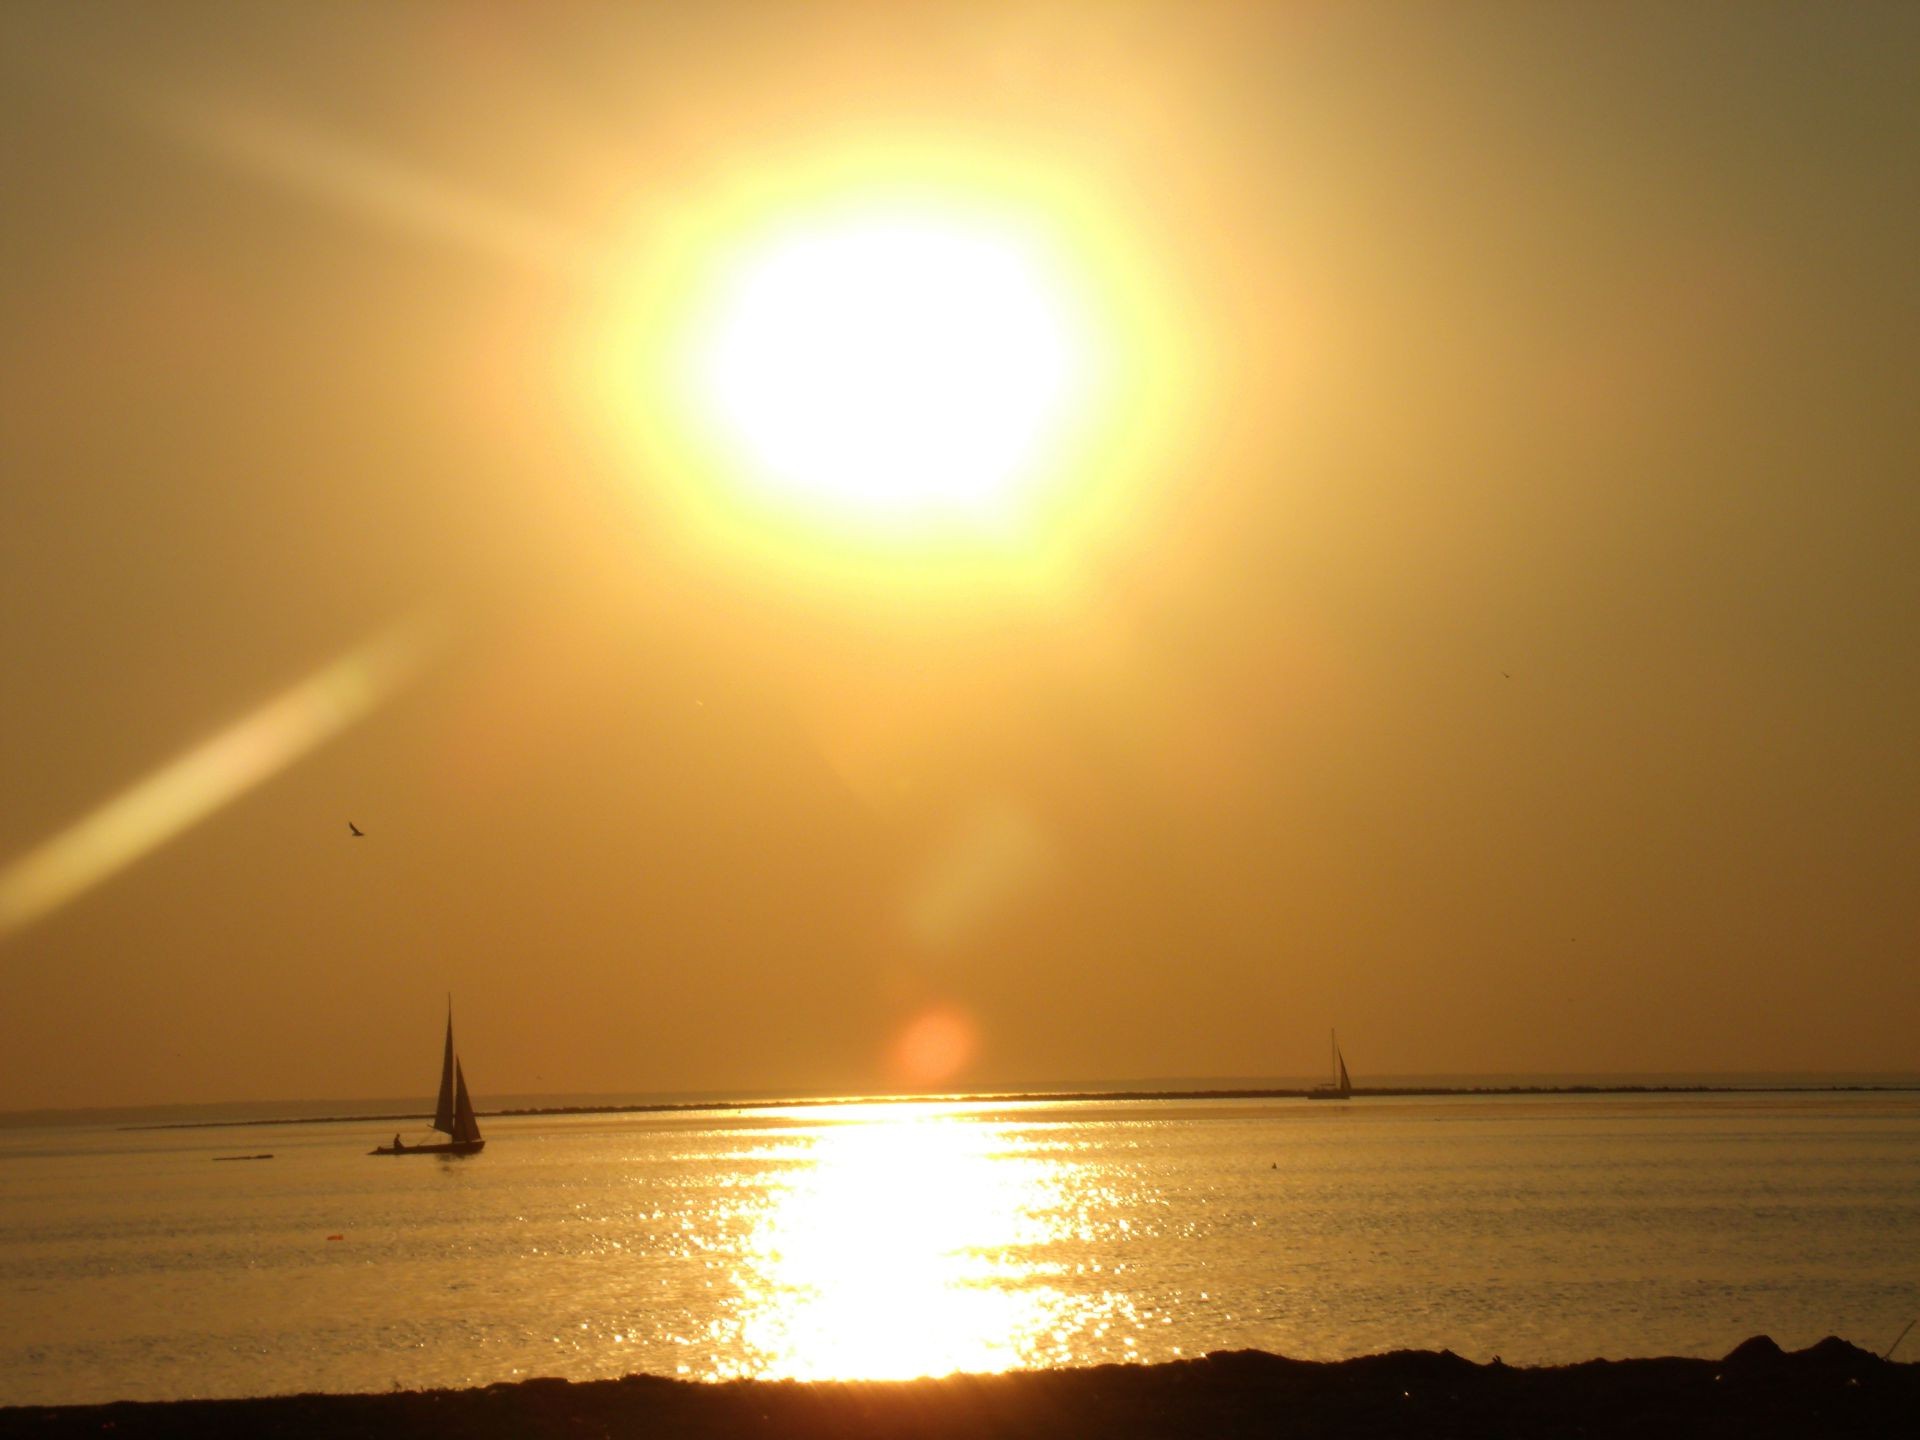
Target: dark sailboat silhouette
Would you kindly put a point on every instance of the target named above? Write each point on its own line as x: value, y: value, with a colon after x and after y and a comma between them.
x: 1341, y: 1088
x: 452, y: 1115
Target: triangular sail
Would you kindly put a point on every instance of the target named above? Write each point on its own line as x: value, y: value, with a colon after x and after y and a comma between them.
x: 1338, y: 1087
x: 443, y: 1120
x: 465, y: 1127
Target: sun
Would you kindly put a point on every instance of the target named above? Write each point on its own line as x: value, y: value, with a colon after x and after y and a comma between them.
x: 913, y: 369
x: 893, y: 368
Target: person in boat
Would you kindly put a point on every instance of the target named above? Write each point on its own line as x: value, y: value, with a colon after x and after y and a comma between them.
x: 396, y: 1141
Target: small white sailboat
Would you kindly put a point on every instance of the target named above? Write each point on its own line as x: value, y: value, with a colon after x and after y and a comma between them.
x: 1340, y: 1088
x: 452, y: 1115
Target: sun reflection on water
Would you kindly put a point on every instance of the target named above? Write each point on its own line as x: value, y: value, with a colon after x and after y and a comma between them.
x: 902, y: 1247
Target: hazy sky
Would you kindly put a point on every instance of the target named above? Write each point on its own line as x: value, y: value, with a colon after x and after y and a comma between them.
x: 1511, y: 655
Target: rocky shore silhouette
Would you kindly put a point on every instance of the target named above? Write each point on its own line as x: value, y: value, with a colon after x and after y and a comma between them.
x: 1758, y: 1391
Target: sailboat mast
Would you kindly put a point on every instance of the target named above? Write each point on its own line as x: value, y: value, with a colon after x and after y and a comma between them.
x: 443, y: 1108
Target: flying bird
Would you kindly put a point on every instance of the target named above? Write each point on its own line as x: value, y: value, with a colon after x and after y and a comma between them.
x: 358, y: 833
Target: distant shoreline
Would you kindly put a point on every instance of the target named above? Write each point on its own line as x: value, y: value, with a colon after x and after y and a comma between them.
x: 1053, y: 1097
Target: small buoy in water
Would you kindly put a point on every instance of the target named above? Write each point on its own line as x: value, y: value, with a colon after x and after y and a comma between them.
x: 336, y: 1237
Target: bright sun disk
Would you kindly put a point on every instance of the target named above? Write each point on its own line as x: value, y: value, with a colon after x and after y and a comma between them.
x: 958, y: 375
x: 895, y: 371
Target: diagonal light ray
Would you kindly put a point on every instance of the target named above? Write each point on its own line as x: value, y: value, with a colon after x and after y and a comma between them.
x: 189, y: 788
x: 334, y: 170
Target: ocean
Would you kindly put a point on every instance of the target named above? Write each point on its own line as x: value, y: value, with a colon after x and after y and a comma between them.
x: 895, y: 1240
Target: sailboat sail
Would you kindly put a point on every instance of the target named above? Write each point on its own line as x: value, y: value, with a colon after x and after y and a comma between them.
x: 1340, y: 1087
x: 443, y: 1116
x: 465, y: 1126
x: 452, y: 1112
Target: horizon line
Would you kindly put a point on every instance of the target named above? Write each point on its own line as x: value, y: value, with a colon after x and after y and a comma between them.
x: 618, y: 1102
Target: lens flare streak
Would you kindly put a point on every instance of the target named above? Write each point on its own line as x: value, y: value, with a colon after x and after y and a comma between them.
x: 188, y: 789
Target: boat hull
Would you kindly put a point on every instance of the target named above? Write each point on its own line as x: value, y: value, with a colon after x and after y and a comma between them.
x: 1329, y: 1094
x: 453, y: 1147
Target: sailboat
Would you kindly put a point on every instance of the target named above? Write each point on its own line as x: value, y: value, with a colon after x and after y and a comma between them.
x: 452, y: 1115
x: 1340, y: 1088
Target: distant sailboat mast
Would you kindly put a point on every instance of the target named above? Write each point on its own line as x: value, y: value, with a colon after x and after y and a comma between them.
x: 453, y: 1112
x: 443, y: 1109
x: 1339, y: 1087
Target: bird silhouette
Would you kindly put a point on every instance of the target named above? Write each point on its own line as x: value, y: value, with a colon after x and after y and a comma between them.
x: 358, y: 833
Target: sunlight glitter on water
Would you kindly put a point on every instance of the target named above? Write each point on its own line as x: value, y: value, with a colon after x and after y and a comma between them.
x: 901, y: 1249
x: 861, y: 1241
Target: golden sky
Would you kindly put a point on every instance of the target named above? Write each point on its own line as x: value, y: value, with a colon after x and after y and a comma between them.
x: 1471, y: 598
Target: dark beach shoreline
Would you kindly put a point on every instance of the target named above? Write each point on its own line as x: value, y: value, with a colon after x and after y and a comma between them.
x: 1829, y: 1389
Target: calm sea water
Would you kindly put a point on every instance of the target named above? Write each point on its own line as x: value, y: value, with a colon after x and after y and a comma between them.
x: 892, y: 1241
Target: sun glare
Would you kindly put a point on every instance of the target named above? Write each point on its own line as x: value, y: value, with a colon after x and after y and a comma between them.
x: 896, y: 370
x: 933, y: 365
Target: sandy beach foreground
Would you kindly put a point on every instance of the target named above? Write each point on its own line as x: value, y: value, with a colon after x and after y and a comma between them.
x: 1829, y: 1389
